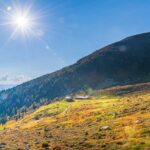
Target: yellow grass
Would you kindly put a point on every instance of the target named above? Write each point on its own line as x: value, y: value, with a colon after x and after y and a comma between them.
x: 79, y: 125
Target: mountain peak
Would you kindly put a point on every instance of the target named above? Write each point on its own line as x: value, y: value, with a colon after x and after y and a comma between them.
x: 139, y: 36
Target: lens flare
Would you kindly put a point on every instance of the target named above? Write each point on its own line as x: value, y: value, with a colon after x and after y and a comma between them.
x: 22, y: 20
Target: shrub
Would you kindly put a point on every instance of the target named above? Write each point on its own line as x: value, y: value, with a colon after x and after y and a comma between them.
x: 44, y: 145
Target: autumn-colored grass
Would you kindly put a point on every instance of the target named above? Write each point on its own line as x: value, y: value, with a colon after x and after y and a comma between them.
x: 102, y: 122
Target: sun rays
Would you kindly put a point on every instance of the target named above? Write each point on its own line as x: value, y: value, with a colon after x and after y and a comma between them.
x: 22, y: 20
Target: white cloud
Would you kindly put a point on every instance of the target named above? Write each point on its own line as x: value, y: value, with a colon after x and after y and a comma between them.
x: 4, y: 78
x: 14, y: 80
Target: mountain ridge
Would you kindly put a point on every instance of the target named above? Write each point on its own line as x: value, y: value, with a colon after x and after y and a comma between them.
x: 123, y: 62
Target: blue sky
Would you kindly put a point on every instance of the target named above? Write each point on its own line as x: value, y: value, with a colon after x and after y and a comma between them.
x: 67, y: 30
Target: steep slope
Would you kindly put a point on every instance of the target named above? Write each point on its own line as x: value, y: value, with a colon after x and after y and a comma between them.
x: 107, y: 122
x: 124, y: 62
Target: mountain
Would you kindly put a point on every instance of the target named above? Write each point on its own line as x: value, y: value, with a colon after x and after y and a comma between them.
x: 120, y: 63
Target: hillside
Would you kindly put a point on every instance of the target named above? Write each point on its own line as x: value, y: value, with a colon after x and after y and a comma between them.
x: 121, y: 63
x: 106, y: 121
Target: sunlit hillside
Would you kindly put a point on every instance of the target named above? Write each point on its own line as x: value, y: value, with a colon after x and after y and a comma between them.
x: 121, y: 63
x: 105, y: 121
x: 74, y: 75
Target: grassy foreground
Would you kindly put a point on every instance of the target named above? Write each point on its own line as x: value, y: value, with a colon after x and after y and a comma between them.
x: 107, y: 123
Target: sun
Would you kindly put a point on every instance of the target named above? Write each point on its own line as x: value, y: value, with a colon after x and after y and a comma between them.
x: 22, y: 22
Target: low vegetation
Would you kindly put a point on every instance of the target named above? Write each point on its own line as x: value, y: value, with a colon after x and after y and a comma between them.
x: 107, y: 122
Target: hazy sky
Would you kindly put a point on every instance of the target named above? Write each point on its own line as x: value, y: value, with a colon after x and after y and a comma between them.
x: 66, y: 30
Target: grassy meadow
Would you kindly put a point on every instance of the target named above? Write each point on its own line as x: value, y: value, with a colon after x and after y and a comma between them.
x: 103, y: 122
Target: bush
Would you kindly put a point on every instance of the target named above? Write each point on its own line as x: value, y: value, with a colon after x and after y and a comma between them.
x: 45, y: 145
